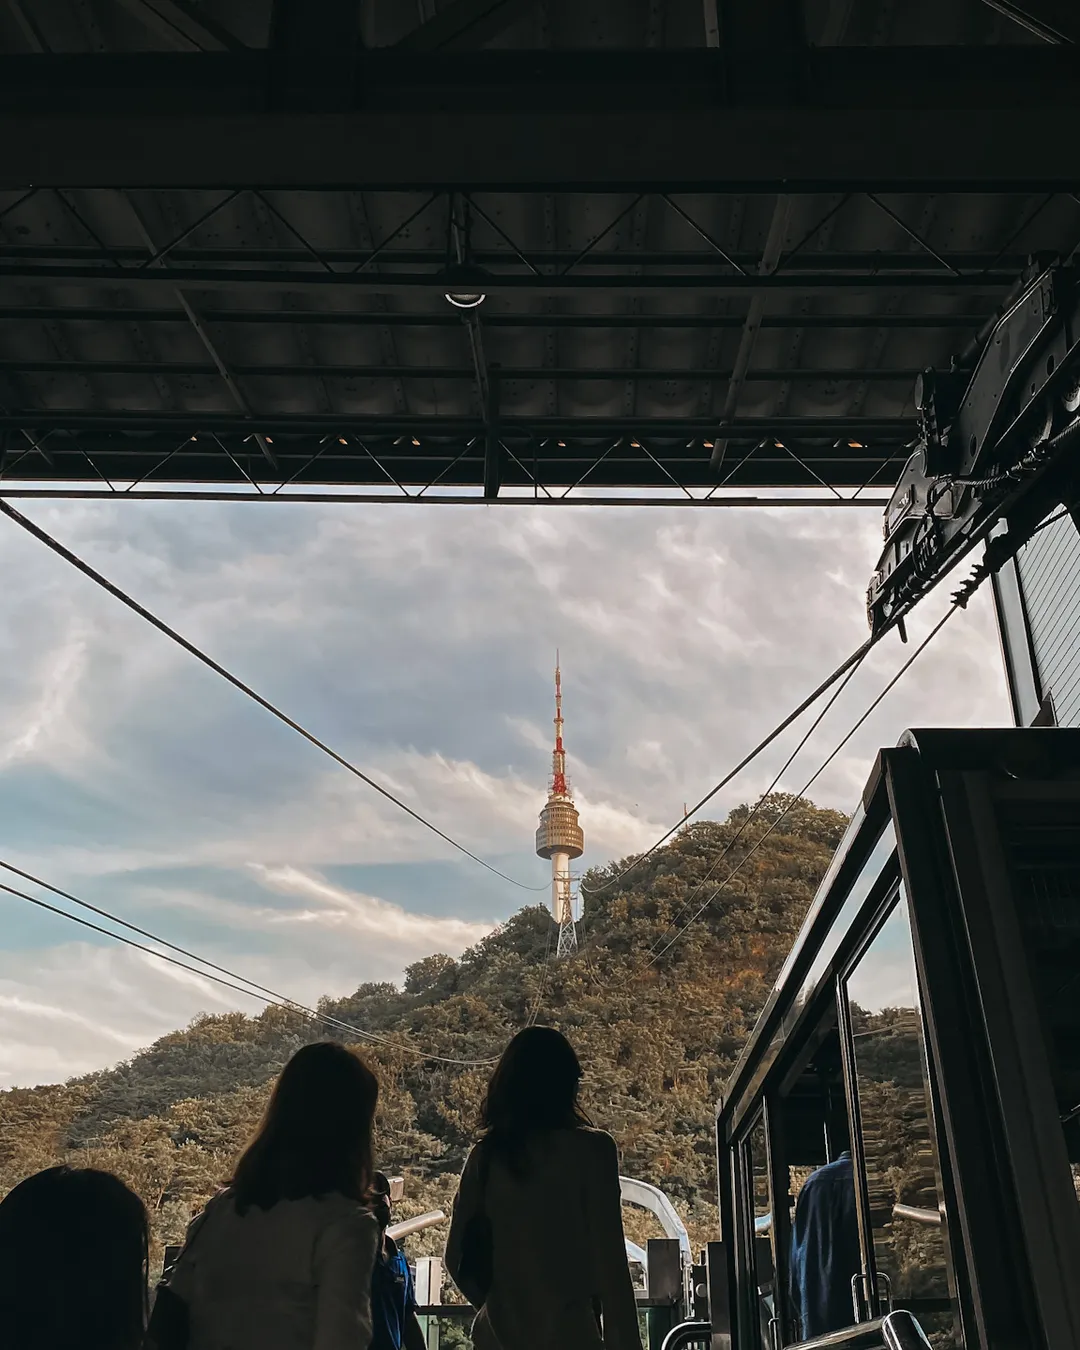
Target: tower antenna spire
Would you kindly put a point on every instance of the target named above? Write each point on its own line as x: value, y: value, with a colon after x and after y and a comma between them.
x: 559, y: 836
x: 558, y: 758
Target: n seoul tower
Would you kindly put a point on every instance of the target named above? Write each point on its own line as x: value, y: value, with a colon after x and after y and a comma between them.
x: 559, y: 836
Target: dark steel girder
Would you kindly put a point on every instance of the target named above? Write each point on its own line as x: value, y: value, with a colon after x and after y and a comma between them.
x: 880, y: 118
x: 446, y: 462
x: 869, y: 263
x: 492, y: 319
x: 1051, y: 20
x: 675, y: 428
x: 642, y: 374
x: 716, y: 283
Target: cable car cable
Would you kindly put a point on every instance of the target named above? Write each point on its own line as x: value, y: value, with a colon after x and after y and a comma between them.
x: 234, y: 680
x: 854, y: 659
x: 966, y: 591
x: 248, y: 987
x: 957, y: 604
x: 726, y: 850
x: 753, y: 813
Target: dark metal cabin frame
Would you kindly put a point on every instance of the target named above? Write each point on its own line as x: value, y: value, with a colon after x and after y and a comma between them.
x: 972, y: 825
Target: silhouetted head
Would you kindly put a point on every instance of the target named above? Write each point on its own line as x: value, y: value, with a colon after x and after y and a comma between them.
x: 73, y: 1263
x: 534, y: 1088
x: 315, y: 1137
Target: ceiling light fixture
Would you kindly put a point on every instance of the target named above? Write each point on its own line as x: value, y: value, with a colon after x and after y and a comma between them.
x: 465, y: 285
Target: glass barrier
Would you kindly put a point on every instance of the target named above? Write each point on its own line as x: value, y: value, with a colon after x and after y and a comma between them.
x: 906, y: 1203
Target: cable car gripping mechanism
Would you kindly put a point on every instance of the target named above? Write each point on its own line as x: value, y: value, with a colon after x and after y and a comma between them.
x: 999, y: 440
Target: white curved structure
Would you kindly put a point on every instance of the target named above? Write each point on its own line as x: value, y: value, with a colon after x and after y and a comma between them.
x: 635, y: 1253
x: 656, y: 1202
x: 417, y: 1225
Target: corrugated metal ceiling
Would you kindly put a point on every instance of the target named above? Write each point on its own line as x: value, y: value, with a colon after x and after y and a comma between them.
x: 246, y: 318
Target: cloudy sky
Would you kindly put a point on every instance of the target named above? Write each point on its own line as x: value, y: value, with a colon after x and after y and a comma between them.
x: 419, y: 642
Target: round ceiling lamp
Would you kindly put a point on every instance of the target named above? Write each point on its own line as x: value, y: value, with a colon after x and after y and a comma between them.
x: 465, y: 286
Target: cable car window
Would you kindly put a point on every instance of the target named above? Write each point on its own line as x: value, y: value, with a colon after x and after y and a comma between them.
x: 1043, y: 852
x: 760, y: 1264
x: 906, y: 1210
x: 823, y: 1254
x: 883, y: 850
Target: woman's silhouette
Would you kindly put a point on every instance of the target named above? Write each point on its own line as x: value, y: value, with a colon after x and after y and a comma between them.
x: 73, y: 1258
x: 283, y: 1258
x: 542, y: 1191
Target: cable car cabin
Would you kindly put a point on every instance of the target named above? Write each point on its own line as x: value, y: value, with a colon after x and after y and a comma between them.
x: 902, y: 1130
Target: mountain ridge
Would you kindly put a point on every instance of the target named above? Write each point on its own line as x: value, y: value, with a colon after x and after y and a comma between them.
x: 171, y: 1119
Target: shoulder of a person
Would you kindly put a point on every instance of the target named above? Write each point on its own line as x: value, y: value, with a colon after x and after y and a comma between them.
x: 477, y: 1155
x: 346, y: 1216
x: 597, y: 1143
x: 219, y: 1203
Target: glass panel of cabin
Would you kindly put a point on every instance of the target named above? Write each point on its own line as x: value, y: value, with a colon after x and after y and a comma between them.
x: 906, y: 1211
x: 760, y: 1263
x: 823, y: 1253
x: 1042, y: 848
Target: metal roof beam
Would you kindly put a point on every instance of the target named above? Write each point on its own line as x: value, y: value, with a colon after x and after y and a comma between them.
x: 774, y: 244
x: 313, y: 52
x: 883, y: 119
x: 650, y: 81
x: 754, y: 34
x: 366, y: 424
x: 390, y: 283
x: 819, y: 261
x: 179, y: 22
x: 1051, y: 20
x: 432, y: 499
x: 451, y: 465
x: 320, y: 370
x: 443, y: 319
x: 464, y: 25
x: 765, y: 150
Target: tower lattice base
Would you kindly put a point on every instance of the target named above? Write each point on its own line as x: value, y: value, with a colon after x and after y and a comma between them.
x: 567, y: 938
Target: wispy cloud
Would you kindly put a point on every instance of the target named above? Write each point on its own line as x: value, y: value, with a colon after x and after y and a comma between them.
x: 366, y: 915
x: 421, y: 646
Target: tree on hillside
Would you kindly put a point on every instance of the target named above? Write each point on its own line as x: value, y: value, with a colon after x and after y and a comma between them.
x: 659, y: 1000
x: 428, y: 973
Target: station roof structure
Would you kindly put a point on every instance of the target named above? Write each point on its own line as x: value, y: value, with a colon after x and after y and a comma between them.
x: 717, y: 239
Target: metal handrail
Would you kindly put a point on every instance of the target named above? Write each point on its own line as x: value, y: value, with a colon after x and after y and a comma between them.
x: 901, y: 1331
x: 417, y: 1225
x: 896, y: 1331
x: 930, y: 1217
x: 686, y: 1333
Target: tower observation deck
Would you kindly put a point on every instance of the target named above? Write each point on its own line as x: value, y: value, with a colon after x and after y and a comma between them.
x: 559, y: 835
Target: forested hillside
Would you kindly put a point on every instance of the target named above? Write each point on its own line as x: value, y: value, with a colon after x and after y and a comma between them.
x: 657, y: 1036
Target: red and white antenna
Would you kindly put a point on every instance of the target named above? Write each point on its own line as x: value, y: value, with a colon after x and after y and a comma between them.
x: 558, y: 758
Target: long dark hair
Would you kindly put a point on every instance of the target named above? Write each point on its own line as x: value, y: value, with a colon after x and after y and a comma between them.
x: 534, y: 1088
x: 315, y: 1137
x: 73, y: 1262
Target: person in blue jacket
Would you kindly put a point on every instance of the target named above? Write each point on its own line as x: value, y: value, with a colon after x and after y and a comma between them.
x: 393, y: 1298
x: 825, y: 1253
